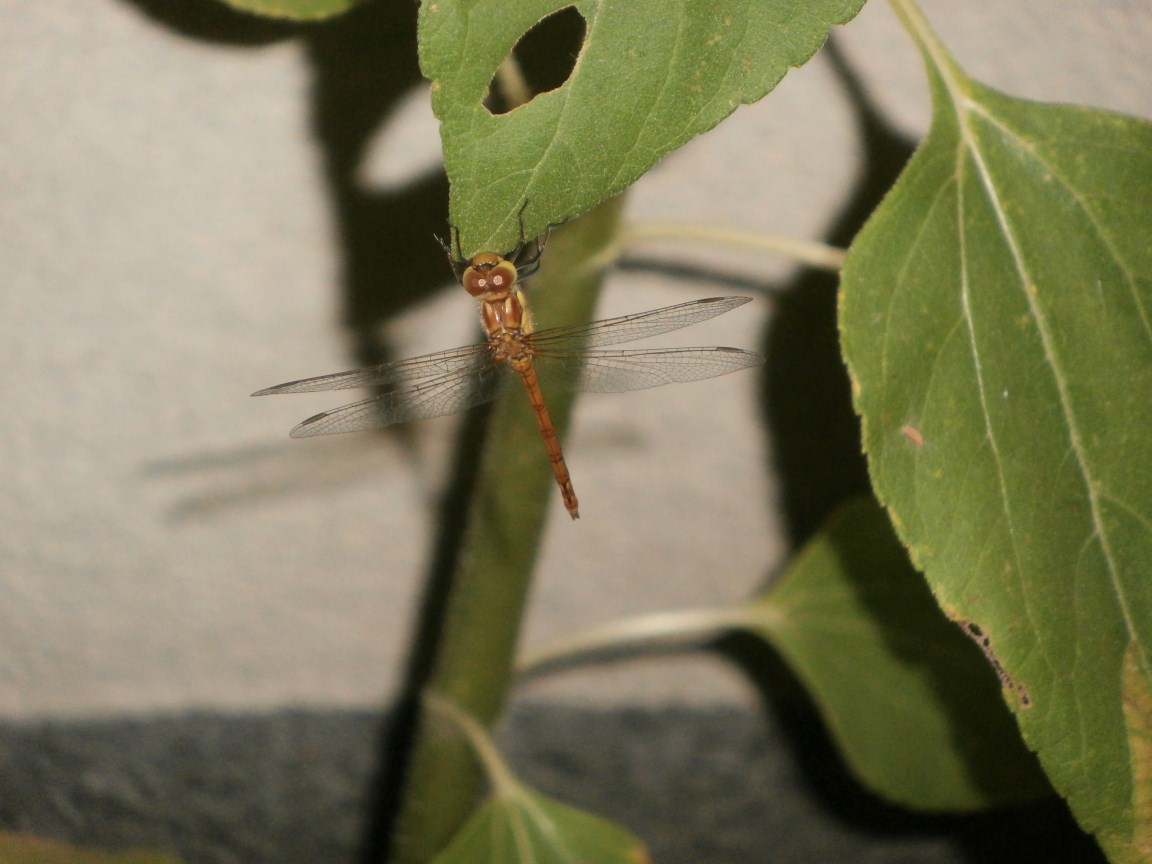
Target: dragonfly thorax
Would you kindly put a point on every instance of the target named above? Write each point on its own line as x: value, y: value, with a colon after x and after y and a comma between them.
x: 504, y: 316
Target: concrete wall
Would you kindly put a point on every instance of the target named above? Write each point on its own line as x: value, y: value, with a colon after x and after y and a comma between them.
x: 169, y: 243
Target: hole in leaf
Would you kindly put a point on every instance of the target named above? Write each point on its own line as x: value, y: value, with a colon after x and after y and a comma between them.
x: 542, y: 60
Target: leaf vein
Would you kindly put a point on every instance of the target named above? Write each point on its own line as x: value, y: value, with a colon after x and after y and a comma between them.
x: 1058, y: 376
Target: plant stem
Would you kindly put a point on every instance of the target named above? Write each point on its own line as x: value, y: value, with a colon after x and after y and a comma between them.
x: 819, y: 255
x: 476, y: 639
x: 495, y: 768
x: 682, y: 625
x: 935, y: 54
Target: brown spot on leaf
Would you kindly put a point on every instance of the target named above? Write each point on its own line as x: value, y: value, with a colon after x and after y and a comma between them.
x: 913, y: 435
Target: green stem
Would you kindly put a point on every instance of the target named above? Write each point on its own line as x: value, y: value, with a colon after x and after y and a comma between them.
x: 495, y: 768
x: 932, y: 49
x: 678, y: 626
x: 819, y: 255
x: 473, y: 655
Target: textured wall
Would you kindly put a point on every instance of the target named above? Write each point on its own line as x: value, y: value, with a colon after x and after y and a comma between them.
x: 168, y: 243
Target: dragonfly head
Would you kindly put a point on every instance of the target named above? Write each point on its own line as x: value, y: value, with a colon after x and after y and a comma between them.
x: 487, y: 273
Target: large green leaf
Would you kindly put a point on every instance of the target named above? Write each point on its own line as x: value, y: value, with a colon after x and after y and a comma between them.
x: 908, y: 698
x: 296, y: 10
x: 26, y: 849
x: 996, y: 316
x: 651, y: 75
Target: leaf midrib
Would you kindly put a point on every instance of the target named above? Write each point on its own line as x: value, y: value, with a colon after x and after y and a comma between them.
x: 964, y: 107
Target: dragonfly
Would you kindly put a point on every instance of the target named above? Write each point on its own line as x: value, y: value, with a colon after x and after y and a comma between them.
x: 447, y: 382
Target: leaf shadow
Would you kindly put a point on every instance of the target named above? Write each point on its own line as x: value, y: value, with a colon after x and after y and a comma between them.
x: 806, y: 395
x: 362, y: 64
x: 1040, y: 831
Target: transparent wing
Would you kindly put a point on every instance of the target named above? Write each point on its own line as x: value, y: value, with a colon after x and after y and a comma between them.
x: 620, y: 371
x: 457, y: 391
x: 399, y: 372
x: 641, y: 325
x: 446, y: 382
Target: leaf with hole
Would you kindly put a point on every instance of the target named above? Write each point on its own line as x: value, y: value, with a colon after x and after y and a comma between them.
x: 648, y: 76
x: 912, y: 705
x: 999, y: 304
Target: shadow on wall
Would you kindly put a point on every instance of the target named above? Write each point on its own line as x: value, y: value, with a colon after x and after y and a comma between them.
x: 363, y: 64
x: 807, y: 398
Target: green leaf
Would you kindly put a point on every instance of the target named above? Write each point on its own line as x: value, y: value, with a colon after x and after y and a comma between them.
x: 517, y: 825
x: 525, y: 827
x: 910, y: 701
x: 651, y: 75
x: 996, y: 317
x: 296, y: 10
x: 26, y: 849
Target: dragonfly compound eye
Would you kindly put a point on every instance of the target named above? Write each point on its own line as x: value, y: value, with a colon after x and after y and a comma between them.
x: 488, y: 272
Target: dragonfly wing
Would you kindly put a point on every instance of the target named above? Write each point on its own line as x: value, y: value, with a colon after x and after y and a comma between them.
x: 423, y: 400
x: 620, y: 371
x: 398, y: 373
x: 641, y: 325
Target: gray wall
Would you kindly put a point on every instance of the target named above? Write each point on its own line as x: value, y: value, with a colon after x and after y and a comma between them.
x: 169, y: 243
